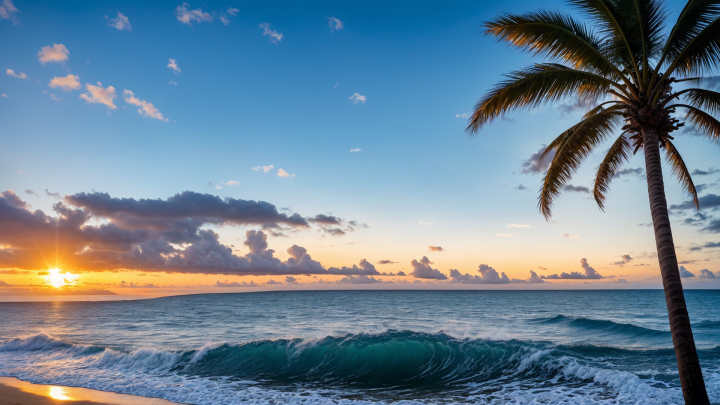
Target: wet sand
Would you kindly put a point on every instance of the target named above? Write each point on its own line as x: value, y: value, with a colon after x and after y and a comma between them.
x: 16, y: 392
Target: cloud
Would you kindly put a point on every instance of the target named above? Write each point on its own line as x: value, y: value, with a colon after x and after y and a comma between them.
x: 426, y: 223
x: 172, y: 64
x: 401, y: 274
x: 504, y: 235
x: 186, y: 16
x: 707, y: 274
x: 709, y: 245
x: 570, y: 236
x: 625, y: 260
x: 55, y: 53
x: 120, y: 23
x: 236, y: 284
x: 435, y: 249
x: 386, y: 262
x: 520, y: 226
x: 20, y: 75
x: 98, y: 95
x: 283, y: 173
x: 576, y: 189
x: 224, y: 20
x: 685, y: 273
x: 335, y: 24
x: 463, y: 115
x: 533, y: 165
x: 356, y: 98
x: 588, y: 273
x: 173, y: 83
x: 488, y: 276
x: 713, y: 226
x: 232, y: 183
x: 706, y: 201
x: 96, y: 232
x: 359, y: 280
x: 52, y: 96
x: 53, y: 195
x: 30, y: 192
x: 67, y: 83
x: 422, y: 269
x: 520, y: 187
x: 638, y: 171
x: 146, y: 109
x: 8, y: 10
x: 272, y: 35
x: 696, y: 172
x: 265, y: 169
x: 325, y: 219
x: 233, y: 11
x: 355, y: 150
x: 273, y: 282
x: 4, y: 95
x: 290, y: 280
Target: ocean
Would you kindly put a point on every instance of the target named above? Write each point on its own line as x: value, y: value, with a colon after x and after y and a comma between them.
x: 366, y: 347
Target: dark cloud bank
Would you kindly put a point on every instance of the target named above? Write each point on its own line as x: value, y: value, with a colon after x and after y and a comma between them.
x: 97, y: 232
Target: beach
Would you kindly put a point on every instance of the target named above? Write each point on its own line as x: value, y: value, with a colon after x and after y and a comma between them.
x: 16, y: 392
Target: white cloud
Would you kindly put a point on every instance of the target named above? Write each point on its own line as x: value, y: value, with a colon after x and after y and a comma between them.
x: 8, y: 10
x: 67, y: 83
x: 336, y: 85
x: 20, y: 75
x: 335, y: 24
x: 173, y: 83
x: 520, y: 226
x: 356, y: 98
x: 174, y: 66
x: 98, y: 95
x: 461, y: 115
x: 272, y: 35
x: 504, y: 235
x: 224, y: 20
x: 265, y: 169
x: 121, y: 22
x: 283, y: 173
x: 233, y: 11
x: 571, y: 236
x: 186, y: 16
x: 4, y: 95
x: 52, y: 96
x: 232, y: 183
x: 146, y: 108
x: 55, y: 53
x: 425, y: 223
x: 355, y: 150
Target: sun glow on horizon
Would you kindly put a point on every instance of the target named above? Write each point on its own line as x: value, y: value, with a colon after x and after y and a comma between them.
x: 57, y: 279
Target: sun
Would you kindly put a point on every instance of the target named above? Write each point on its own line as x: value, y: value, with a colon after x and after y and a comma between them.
x: 57, y: 280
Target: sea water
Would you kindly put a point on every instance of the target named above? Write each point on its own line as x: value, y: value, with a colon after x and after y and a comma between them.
x: 366, y: 347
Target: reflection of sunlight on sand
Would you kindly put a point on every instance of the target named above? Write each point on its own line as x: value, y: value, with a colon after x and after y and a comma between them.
x: 58, y: 393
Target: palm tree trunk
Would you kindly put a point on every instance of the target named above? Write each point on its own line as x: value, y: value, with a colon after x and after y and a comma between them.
x: 691, y: 379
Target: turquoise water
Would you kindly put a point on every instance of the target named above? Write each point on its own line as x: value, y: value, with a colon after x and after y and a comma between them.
x: 366, y: 347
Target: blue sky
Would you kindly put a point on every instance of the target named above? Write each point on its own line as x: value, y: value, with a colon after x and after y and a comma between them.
x: 242, y: 99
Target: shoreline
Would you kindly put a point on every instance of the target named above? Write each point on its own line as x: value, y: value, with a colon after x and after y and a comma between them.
x: 14, y: 391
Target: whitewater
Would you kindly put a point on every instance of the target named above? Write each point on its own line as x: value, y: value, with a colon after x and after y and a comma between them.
x: 366, y: 347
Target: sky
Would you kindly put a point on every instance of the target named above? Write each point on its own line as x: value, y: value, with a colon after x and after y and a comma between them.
x: 166, y: 147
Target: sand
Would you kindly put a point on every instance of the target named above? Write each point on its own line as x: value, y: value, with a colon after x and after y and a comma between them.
x: 16, y: 392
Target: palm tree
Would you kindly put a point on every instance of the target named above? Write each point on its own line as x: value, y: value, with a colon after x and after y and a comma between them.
x: 625, y: 67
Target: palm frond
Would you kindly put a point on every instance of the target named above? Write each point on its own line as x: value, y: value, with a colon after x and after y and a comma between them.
x: 619, y: 153
x: 645, y: 20
x: 577, y: 143
x: 533, y: 86
x: 614, y: 24
x: 700, y: 55
x: 680, y: 171
x: 555, y: 35
x: 707, y: 100
x: 694, y: 17
x: 704, y: 123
